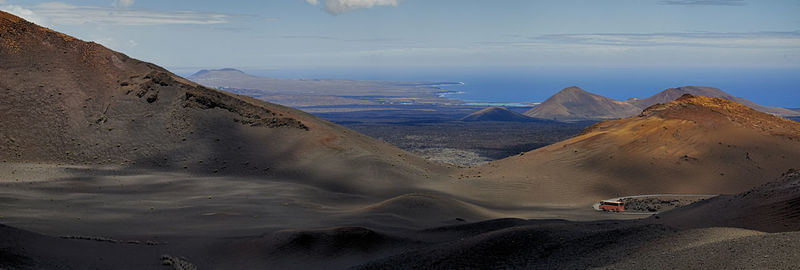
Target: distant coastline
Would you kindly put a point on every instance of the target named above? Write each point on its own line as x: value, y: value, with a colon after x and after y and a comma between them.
x: 453, y: 94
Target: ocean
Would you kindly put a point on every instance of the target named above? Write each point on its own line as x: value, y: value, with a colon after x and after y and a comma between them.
x: 771, y: 87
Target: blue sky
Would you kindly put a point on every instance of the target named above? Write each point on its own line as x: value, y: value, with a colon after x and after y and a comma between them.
x: 753, y: 42
x: 398, y: 33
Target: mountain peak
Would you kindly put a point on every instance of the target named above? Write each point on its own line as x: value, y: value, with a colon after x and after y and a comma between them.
x: 572, y: 90
x: 496, y: 114
x: 573, y: 103
x: 200, y: 73
x: 671, y: 94
x: 691, y: 104
x: 230, y: 70
x: 206, y: 72
x: 700, y: 91
x: 701, y: 108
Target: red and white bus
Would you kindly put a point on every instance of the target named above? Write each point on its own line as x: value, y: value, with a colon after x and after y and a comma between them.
x: 612, y: 206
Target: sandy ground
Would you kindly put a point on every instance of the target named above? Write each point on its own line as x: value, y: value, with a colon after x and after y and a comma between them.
x: 717, y: 248
x: 494, y: 244
x: 112, y: 217
x: 109, y: 217
x: 112, y: 202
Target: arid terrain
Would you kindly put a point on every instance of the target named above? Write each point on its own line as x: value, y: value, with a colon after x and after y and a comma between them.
x: 109, y: 162
x: 663, y: 150
x: 440, y: 134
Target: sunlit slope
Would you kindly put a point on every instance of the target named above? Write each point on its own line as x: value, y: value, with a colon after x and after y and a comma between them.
x: 694, y: 145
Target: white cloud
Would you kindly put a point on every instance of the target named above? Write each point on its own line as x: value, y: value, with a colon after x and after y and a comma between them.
x: 336, y: 7
x: 708, y: 39
x: 704, y: 2
x: 125, y: 3
x: 61, y: 13
x: 24, y: 13
x: 751, y: 40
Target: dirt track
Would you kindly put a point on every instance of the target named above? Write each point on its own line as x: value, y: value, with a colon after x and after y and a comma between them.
x: 658, y: 199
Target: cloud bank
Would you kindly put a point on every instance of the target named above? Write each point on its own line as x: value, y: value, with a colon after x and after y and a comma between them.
x: 336, y: 7
x: 55, y: 13
x: 716, y: 40
x: 125, y: 3
x: 751, y: 40
x: 24, y: 13
x: 704, y: 2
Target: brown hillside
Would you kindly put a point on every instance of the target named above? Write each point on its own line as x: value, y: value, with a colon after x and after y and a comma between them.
x: 695, y: 145
x: 63, y: 100
x: 673, y: 93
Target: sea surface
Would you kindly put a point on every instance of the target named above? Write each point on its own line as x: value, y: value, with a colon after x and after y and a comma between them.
x: 771, y: 87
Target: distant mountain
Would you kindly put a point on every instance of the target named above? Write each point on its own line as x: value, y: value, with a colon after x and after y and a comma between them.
x: 673, y: 93
x: 574, y: 104
x: 234, y: 79
x: 497, y: 114
x: 213, y: 72
x: 323, y: 92
x: 218, y: 76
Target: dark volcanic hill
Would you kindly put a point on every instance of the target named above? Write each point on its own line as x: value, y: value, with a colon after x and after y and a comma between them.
x: 772, y: 207
x: 573, y: 103
x: 63, y: 100
x: 496, y: 114
x: 694, y: 145
x: 674, y: 93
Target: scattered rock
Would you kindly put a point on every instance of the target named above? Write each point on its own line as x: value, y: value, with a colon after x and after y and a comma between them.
x: 177, y: 263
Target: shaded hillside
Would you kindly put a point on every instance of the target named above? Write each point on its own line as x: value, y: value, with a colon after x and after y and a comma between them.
x: 497, y: 114
x: 20, y: 249
x: 694, y: 145
x: 573, y: 103
x: 674, y: 93
x: 772, y: 207
x: 502, y: 243
x: 66, y: 101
